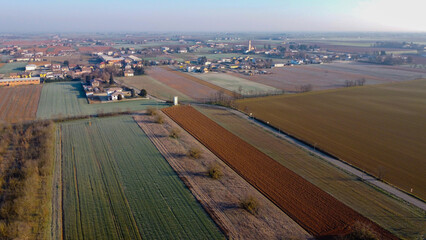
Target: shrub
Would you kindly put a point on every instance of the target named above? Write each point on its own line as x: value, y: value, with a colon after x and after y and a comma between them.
x: 151, y: 111
x: 361, y: 230
x: 159, y: 119
x: 174, y: 133
x: 143, y: 93
x: 250, y: 204
x: 215, y: 171
x: 194, y: 153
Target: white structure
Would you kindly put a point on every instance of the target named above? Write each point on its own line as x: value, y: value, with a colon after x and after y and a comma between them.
x: 115, y: 95
x: 279, y: 65
x: 175, y: 100
x: 30, y: 67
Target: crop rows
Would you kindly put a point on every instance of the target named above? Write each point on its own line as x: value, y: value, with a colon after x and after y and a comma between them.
x: 19, y: 103
x: 194, y: 89
x: 379, y: 129
x: 315, y: 210
x: 118, y: 186
x: 393, y: 214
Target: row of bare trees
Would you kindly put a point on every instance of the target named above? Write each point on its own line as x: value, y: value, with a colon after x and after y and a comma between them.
x: 354, y: 83
x: 26, y: 162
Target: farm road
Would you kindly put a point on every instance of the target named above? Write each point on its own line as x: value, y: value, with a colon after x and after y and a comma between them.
x: 338, y: 163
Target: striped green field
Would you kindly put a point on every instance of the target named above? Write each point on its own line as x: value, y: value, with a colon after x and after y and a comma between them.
x: 234, y: 83
x: 118, y: 186
x: 64, y: 99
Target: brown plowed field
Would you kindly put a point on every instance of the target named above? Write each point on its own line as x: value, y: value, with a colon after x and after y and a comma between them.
x: 379, y: 129
x: 200, y: 81
x: 315, y: 210
x: 183, y: 83
x: 19, y: 103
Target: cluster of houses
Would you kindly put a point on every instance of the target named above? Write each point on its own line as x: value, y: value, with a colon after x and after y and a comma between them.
x: 95, y: 91
x: 125, y: 62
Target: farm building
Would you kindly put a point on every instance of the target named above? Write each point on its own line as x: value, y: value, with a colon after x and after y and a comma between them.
x: 19, y: 81
x: 115, y: 96
x: 112, y: 90
x: 30, y: 67
x: 129, y: 73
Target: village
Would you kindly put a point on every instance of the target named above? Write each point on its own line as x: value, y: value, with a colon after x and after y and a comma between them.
x: 99, y: 60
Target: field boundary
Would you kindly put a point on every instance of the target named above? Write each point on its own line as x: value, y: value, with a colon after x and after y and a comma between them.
x: 57, y: 194
x: 345, y: 166
x: 312, y: 208
x: 204, y: 202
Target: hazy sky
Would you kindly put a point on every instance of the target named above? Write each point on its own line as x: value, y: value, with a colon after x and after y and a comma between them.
x: 213, y: 15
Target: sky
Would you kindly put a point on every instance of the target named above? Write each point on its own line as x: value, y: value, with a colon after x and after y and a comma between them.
x: 212, y: 16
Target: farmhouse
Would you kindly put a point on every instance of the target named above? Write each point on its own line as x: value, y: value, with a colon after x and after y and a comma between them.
x: 19, y: 81
x: 115, y: 96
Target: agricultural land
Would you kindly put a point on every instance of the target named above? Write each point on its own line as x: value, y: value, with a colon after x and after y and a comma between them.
x: 396, y: 216
x: 236, y: 84
x: 153, y: 87
x: 315, y: 210
x: 67, y: 99
x: 12, y: 67
x: 195, y: 89
x: 223, y: 195
x: 19, y: 103
x: 116, y: 185
x: 379, y: 129
x: 333, y: 75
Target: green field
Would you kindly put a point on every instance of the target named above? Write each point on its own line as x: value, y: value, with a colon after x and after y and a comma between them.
x: 233, y: 83
x: 64, y: 99
x: 153, y: 87
x: 118, y: 186
x: 13, y: 67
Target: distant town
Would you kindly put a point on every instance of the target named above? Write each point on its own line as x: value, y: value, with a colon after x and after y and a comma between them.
x: 127, y: 56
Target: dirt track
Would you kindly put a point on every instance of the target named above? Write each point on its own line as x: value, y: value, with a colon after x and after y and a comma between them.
x: 220, y: 197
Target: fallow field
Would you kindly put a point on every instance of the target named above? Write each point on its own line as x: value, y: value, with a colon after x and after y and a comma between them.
x: 65, y: 99
x: 403, y: 220
x: 235, y: 84
x: 19, y: 103
x: 380, y: 129
x: 387, y: 73
x: 333, y: 75
x: 186, y: 84
x: 153, y: 87
x: 315, y: 210
x: 116, y: 185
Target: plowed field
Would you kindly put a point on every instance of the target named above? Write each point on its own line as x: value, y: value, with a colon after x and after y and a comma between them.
x: 19, y: 103
x: 315, y: 210
x: 194, y: 89
x: 379, y: 129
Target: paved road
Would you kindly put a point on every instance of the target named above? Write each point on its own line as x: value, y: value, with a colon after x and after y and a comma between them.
x: 340, y: 164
